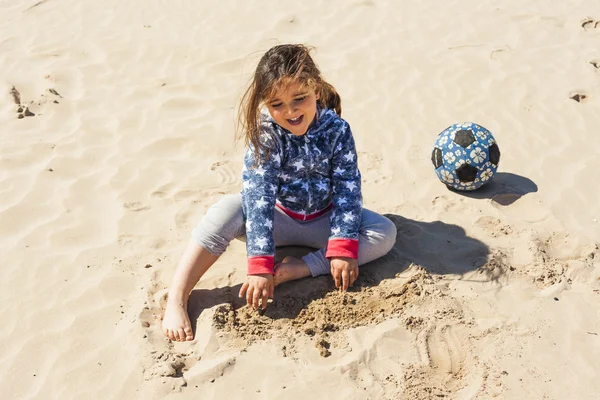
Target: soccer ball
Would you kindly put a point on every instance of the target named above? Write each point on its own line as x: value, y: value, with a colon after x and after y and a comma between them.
x: 465, y: 156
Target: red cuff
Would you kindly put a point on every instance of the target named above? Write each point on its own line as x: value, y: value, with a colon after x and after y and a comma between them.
x: 260, y: 265
x: 342, y: 248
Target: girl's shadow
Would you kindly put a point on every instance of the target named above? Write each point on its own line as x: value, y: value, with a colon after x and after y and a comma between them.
x: 438, y: 247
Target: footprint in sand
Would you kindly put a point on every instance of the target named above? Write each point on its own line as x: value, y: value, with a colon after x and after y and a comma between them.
x: 590, y: 24
x: 227, y: 175
x: 444, y: 370
x: 24, y: 110
x: 579, y: 97
x: 135, y: 206
x: 444, y: 350
x: 162, y: 361
x: 15, y: 95
x: 494, y: 226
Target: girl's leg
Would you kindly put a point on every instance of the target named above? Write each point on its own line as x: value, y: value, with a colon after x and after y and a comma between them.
x: 290, y: 232
x: 193, y: 264
x: 377, y: 236
x: 222, y: 223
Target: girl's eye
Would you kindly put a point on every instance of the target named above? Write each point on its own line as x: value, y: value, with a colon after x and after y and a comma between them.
x: 300, y: 99
x: 276, y: 105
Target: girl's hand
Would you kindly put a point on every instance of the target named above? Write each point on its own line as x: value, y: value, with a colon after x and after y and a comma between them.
x: 344, y: 271
x: 258, y: 287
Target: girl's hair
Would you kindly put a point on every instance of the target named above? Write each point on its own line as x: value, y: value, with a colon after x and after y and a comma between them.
x: 279, y: 67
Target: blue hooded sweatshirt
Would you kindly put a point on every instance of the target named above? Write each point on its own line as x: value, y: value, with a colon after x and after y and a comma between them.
x: 304, y: 176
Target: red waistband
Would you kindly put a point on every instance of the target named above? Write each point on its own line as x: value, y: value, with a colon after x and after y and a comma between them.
x: 304, y: 217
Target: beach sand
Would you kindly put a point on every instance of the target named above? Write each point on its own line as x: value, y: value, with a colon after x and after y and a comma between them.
x: 125, y: 137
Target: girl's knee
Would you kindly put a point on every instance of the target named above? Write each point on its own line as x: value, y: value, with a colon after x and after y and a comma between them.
x: 379, y: 234
x: 222, y: 222
x: 226, y: 213
x: 389, y: 232
x: 379, y: 226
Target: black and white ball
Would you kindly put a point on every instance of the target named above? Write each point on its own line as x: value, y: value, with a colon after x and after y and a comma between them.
x: 465, y: 156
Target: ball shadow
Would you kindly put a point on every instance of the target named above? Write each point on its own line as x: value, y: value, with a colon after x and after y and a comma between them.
x: 505, y: 188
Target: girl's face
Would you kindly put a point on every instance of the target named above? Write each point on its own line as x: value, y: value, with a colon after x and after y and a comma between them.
x: 294, y: 108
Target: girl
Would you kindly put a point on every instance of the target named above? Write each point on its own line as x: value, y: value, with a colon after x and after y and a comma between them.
x: 301, y: 186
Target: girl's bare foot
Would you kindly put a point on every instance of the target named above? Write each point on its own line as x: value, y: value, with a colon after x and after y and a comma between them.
x: 176, y: 322
x: 291, y: 268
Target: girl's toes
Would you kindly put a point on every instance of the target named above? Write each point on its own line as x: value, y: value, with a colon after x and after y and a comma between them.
x: 189, y: 335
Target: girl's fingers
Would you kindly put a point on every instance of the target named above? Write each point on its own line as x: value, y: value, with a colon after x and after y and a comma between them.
x: 352, y: 278
x: 354, y: 274
x: 243, y: 289
x: 255, y: 298
x: 336, y: 277
x: 345, y: 279
x: 265, y: 296
x: 249, y: 294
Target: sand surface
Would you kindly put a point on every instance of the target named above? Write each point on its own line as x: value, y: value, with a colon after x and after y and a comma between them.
x: 126, y: 138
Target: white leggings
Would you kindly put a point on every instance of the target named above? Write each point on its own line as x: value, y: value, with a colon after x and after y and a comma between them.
x: 224, y: 221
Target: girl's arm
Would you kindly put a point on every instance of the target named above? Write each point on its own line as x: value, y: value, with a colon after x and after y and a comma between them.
x: 260, y: 184
x: 347, y: 198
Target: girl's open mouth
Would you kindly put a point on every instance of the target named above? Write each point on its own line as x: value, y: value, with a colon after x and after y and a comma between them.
x: 296, y: 121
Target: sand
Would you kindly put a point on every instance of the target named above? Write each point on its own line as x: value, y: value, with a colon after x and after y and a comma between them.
x: 117, y: 125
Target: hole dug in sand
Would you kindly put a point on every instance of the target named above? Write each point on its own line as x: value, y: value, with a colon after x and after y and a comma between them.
x: 324, y: 312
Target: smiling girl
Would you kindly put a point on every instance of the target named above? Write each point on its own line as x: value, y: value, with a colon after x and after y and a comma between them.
x: 300, y: 186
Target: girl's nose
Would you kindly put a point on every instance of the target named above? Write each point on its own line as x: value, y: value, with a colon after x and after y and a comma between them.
x: 291, y: 108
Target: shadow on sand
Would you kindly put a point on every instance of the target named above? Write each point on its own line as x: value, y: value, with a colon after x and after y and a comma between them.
x: 505, y: 188
x: 438, y: 247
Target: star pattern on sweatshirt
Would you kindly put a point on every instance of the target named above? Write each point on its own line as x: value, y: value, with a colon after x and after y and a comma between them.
x: 298, y: 165
x: 350, y: 185
x: 262, y: 242
x: 303, y: 175
x: 260, y: 171
x: 322, y: 186
x: 261, y: 203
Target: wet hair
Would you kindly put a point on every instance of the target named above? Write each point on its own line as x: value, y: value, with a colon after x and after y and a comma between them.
x: 279, y: 67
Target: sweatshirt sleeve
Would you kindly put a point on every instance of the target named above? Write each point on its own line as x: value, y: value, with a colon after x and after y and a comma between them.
x: 259, y: 190
x: 347, y: 198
